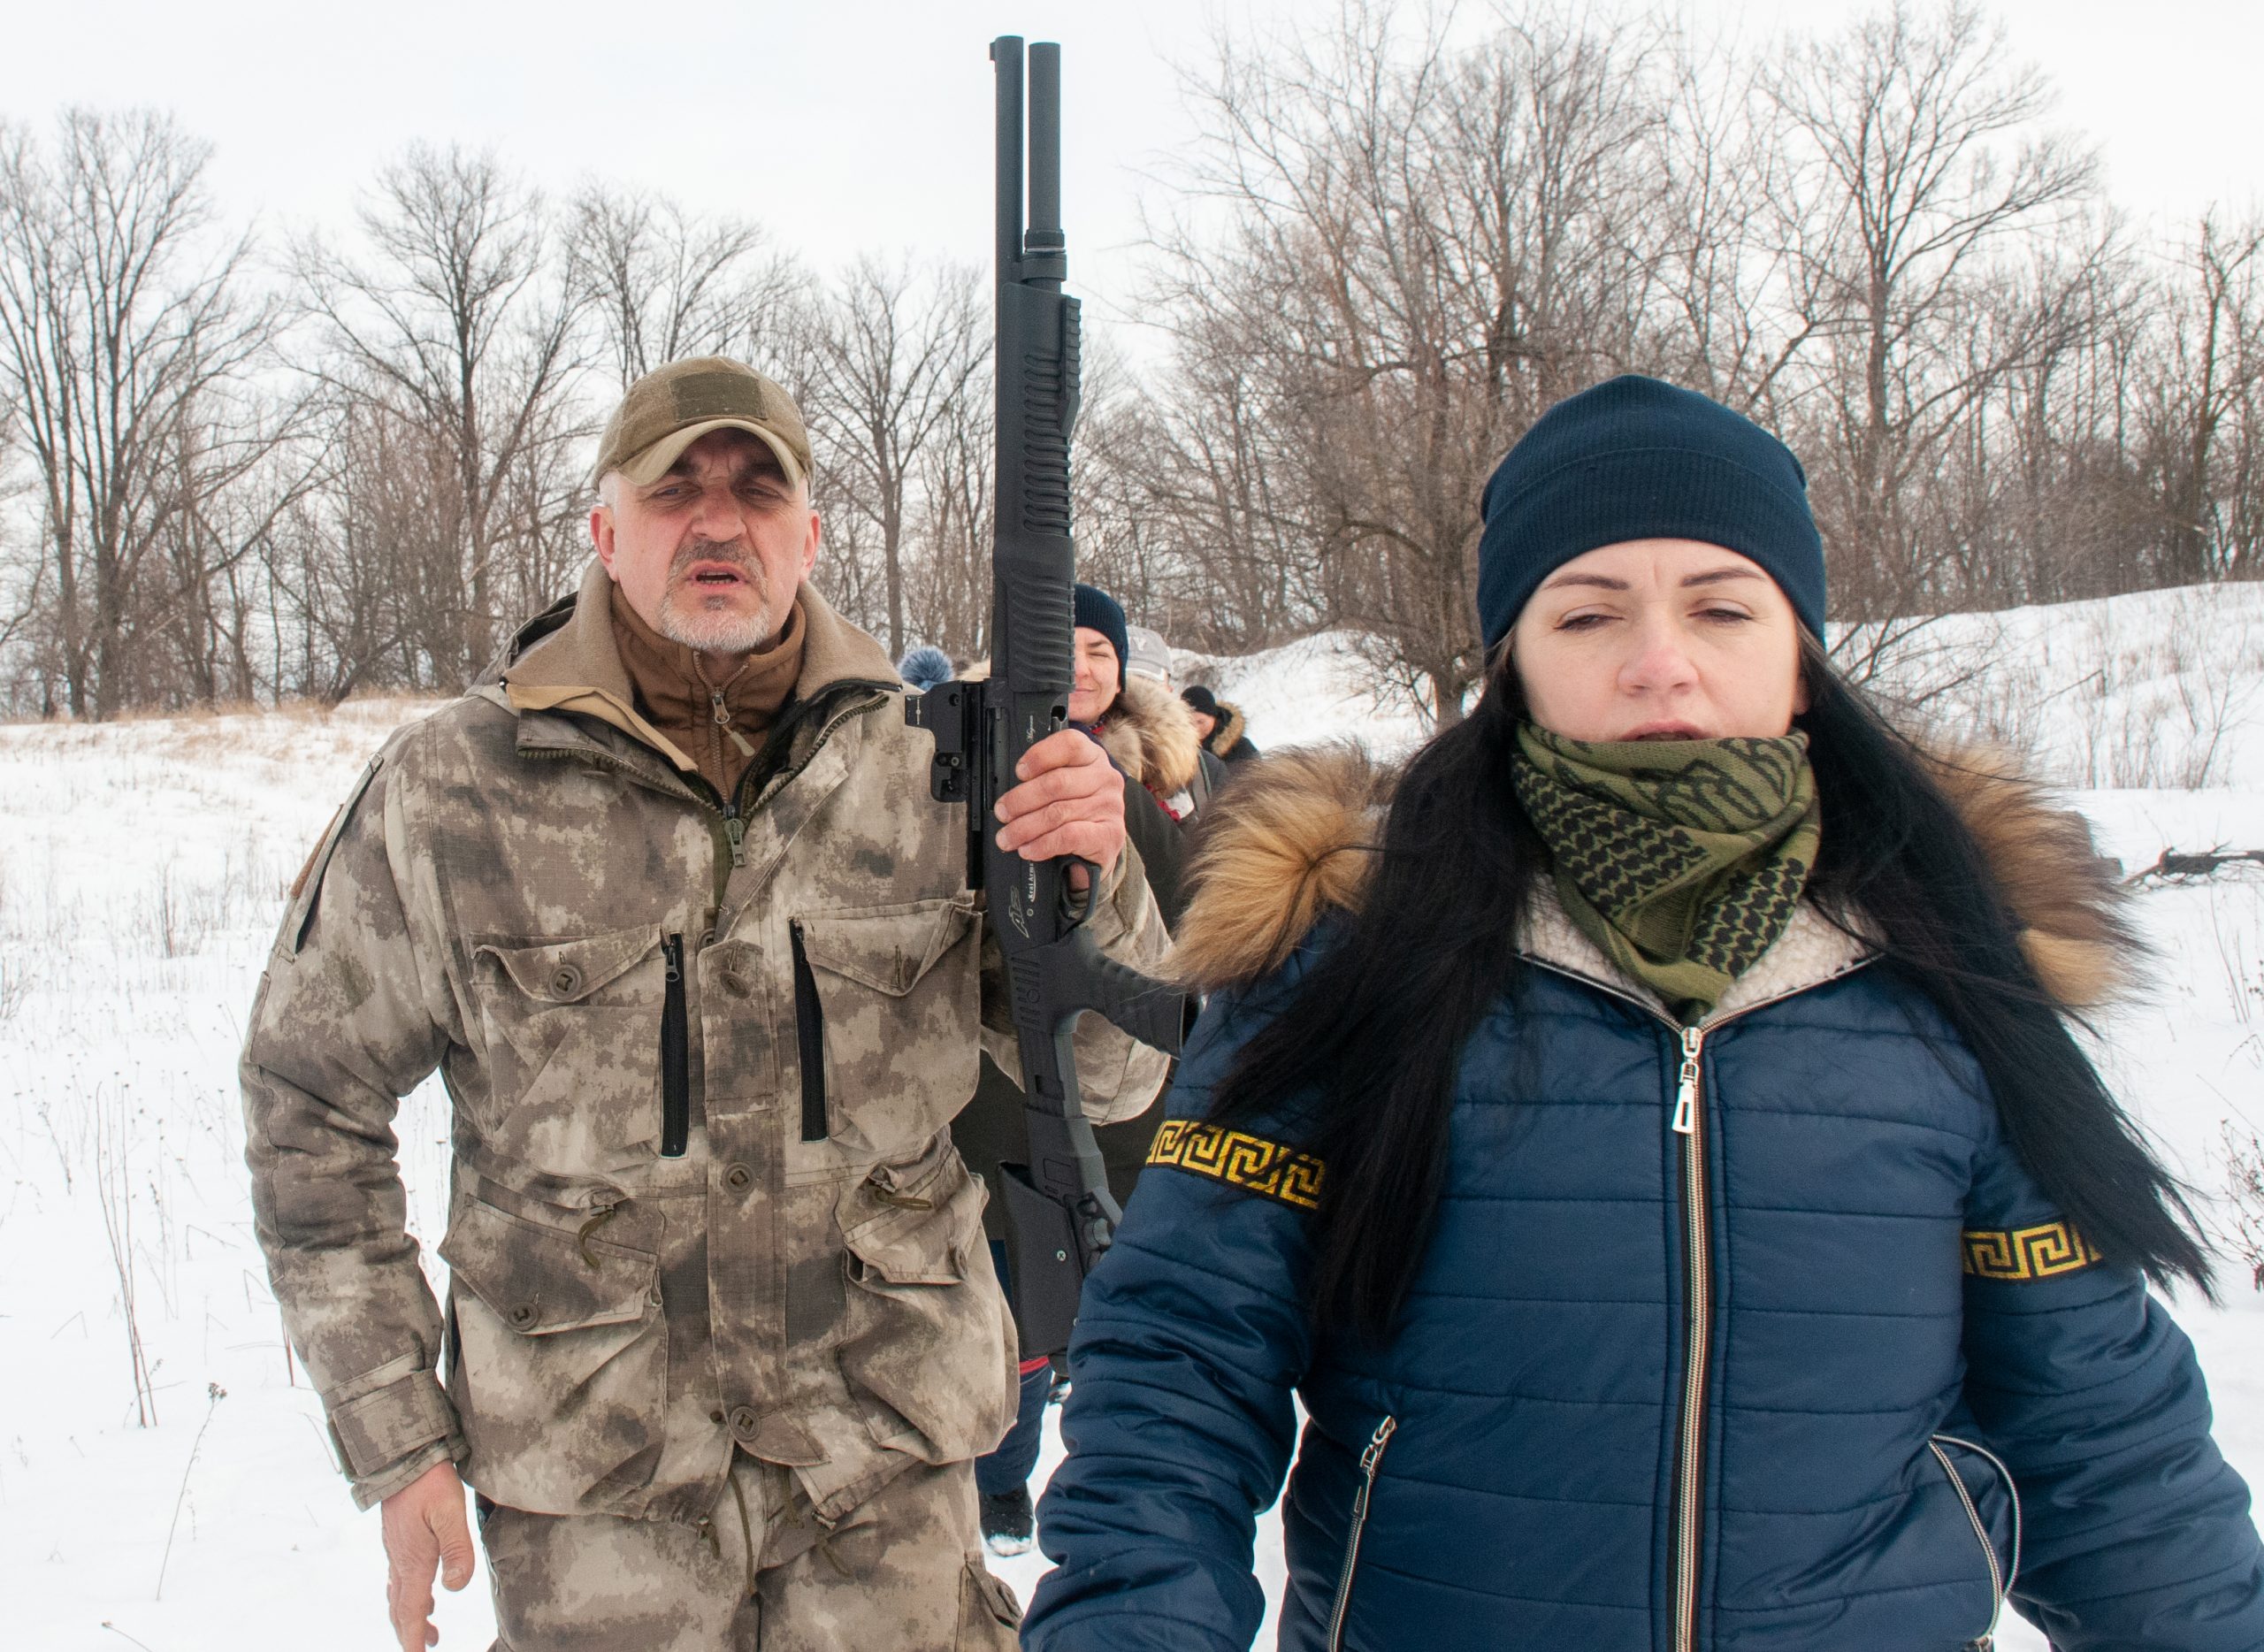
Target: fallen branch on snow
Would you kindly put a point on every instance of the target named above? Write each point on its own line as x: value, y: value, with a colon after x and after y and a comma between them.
x: 2180, y: 867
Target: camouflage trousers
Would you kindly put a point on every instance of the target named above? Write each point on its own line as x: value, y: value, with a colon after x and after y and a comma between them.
x: 904, y: 1571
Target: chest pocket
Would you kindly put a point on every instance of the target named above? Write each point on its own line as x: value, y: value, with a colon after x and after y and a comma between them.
x: 886, y: 1008
x: 573, y: 1031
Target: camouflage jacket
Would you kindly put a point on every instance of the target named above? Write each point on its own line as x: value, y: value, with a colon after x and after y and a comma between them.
x: 702, y: 1059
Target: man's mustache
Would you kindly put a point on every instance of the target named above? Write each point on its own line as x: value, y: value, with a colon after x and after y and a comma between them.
x: 715, y: 551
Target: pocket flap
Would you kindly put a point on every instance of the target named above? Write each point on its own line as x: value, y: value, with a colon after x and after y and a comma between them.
x: 914, y: 1224
x: 565, y: 972
x: 888, y: 948
x: 538, y: 1279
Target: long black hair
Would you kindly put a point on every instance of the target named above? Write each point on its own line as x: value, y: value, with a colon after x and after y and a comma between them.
x: 1360, y: 1063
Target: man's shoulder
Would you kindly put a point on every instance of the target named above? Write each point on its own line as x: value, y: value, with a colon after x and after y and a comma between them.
x: 472, y: 731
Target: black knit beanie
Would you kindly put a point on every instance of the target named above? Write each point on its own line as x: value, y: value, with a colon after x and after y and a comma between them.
x: 1200, y: 699
x: 1638, y: 459
x: 1097, y: 610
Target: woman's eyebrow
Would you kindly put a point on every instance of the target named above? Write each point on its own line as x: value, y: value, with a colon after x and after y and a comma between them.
x: 1604, y: 582
x: 1715, y: 577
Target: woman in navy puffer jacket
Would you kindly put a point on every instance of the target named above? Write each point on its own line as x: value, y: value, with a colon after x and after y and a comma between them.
x: 1650, y: 1143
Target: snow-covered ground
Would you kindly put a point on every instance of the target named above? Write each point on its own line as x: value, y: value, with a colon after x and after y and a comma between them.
x: 142, y: 870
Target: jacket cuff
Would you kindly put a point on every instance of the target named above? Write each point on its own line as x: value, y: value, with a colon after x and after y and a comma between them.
x: 380, y: 1430
x: 368, y: 1494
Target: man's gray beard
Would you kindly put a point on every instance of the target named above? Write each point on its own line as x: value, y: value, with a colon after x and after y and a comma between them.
x: 724, y: 632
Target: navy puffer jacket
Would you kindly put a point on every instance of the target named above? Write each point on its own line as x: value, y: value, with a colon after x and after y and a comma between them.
x: 1888, y: 1348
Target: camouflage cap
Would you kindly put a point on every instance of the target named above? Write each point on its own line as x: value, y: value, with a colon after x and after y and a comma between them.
x: 672, y: 407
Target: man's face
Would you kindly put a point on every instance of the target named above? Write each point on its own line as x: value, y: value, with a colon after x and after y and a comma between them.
x: 1203, y: 721
x: 710, y: 555
x: 1095, y: 690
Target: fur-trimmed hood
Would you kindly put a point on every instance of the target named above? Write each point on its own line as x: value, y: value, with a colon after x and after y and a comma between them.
x: 1151, y: 735
x: 1299, y: 840
x: 1228, y: 733
x: 1146, y: 730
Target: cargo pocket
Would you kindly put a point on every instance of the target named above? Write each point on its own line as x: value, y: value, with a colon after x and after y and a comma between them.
x: 560, y: 1369
x: 573, y: 1034
x: 889, y: 1041
x: 927, y: 1349
x: 988, y: 1616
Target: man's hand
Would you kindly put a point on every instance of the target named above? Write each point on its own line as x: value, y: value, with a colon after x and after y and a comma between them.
x: 1070, y: 801
x: 424, y: 1527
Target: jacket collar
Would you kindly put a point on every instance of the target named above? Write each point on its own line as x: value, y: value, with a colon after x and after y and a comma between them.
x: 567, y: 662
x: 1811, y: 951
x: 1295, y: 839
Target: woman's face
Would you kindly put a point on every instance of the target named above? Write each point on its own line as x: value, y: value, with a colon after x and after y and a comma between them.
x: 1659, y: 639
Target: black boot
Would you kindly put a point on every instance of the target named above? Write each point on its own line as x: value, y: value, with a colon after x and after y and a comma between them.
x: 1009, y: 1526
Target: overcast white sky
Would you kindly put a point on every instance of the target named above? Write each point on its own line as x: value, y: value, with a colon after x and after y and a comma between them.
x: 853, y: 124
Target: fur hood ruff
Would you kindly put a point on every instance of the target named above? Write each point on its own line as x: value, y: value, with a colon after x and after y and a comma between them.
x: 1299, y: 839
x: 1232, y: 726
x: 1147, y: 730
x: 1150, y: 733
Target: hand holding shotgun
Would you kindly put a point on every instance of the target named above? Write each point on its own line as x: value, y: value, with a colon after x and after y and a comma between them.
x: 991, y: 734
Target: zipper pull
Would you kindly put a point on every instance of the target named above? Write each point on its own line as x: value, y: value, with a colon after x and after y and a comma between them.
x: 723, y: 721
x: 735, y: 829
x: 672, y: 955
x: 1685, y: 1095
x: 1376, y: 1443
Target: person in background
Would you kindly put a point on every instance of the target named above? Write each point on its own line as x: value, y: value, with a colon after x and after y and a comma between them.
x: 1147, y: 654
x: 1146, y: 732
x: 924, y: 667
x: 1149, y: 657
x: 1224, y: 729
x: 1654, y: 1142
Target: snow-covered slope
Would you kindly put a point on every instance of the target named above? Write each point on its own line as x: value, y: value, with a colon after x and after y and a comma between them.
x: 142, y: 870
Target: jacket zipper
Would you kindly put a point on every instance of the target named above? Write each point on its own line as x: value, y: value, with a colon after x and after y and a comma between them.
x: 2000, y: 1577
x: 1699, y: 1285
x: 676, y: 1055
x: 731, y: 822
x: 1371, y: 1460
x: 1698, y: 1294
x: 809, y: 1039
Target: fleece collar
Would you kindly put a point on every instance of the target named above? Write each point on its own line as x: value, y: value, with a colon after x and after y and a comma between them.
x: 575, y: 666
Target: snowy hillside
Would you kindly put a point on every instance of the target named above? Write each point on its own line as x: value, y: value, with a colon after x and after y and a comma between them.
x: 142, y: 870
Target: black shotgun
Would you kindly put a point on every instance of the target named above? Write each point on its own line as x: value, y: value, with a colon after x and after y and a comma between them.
x: 1058, y: 1211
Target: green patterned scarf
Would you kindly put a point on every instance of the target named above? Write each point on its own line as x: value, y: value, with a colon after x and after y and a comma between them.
x: 1683, y: 860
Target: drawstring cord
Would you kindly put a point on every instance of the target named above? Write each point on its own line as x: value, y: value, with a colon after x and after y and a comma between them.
x: 603, y: 1216
x: 824, y: 1544
x: 746, y: 1528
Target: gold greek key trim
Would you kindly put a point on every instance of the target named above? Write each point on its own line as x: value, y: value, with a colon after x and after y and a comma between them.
x: 2039, y: 1252
x: 1249, y: 1162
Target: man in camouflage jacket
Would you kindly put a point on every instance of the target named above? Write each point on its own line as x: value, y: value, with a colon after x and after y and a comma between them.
x: 722, y: 1331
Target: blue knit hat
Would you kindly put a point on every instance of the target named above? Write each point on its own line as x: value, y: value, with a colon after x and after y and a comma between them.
x: 1638, y: 459
x: 1097, y: 610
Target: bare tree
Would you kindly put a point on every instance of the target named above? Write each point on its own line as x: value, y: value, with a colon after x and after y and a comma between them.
x: 460, y: 317
x: 663, y: 284
x: 1910, y: 173
x: 892, y: 348
x: 2202, y: 418
x: 1397, y: 252
x: 124, y: 329
x: 948, y: 600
